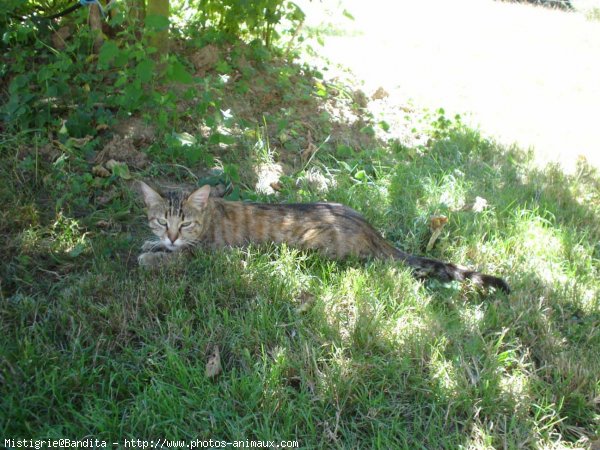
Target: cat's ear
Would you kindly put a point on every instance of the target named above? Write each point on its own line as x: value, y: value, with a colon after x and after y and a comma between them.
x: 151, y: 197
x: 199, y: 197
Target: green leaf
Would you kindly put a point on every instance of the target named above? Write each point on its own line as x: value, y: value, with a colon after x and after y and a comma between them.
x: 45, y: 73
x: 361, y: 175
x: 346, y: 166
x: 234, y: 195
x: 321, y: 89
x: 185, y: 138
x: 223, y: 67
x: 218, y: 138
x: 108, y: 52
x: 344, y: 151
x: 145, y: 70
x: 121, y: 170
x: 80, y: 124
x: 121, y: 81
x: 122, y: 59
x: 179, y: 74
x: 17, y: 83
x: 132, y: 94
x: 368, y: 130
x: 231, y: 171
x: 384, y: 126
x: 193, y: 154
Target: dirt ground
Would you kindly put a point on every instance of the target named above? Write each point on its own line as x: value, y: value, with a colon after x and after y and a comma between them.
x: 523, y: 74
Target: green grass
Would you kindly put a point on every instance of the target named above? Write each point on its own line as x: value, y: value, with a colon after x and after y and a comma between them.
x: 330, y: 354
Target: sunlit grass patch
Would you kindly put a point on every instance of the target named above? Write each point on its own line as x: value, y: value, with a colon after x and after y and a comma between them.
x: 539, y: 246
x: 334, y: 353
x: 64, y: 236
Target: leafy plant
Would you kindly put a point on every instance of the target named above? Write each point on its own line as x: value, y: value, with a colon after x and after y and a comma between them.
x: 252, y: 20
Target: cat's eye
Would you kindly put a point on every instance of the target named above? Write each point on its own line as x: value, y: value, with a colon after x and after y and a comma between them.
x: 162, y: 222
x: 186, y: 224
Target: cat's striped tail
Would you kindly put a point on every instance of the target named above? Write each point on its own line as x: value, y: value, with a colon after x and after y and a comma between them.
x: 432, y: 268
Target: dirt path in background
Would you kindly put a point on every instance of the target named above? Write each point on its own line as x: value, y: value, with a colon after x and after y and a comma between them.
x: 525, y: 74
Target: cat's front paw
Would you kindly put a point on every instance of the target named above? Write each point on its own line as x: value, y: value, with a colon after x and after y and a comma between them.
x: 153, y: 259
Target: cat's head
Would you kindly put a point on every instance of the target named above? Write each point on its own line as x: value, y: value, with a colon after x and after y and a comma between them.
x: 178, y: 219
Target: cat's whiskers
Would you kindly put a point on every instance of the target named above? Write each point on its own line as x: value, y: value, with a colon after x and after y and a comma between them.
x: 193, y: 242
x: 152, y: 244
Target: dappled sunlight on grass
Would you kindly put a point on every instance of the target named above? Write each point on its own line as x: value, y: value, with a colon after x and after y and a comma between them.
x: 471, y: 316
x: 539, y: 247
x: 443, y: 374
x: 515, y: 388
x: 64, y: 236
x: 349, y: 353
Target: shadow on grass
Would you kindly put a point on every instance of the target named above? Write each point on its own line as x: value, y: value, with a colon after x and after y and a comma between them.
x: 338, y: 355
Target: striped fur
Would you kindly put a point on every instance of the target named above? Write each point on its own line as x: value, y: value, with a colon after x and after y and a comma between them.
x: 181, y: 221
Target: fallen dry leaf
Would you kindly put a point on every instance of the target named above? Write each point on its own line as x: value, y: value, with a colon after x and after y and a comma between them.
x: 79, y: 142
x: 100, y: 171
x: 213, y: 366
x: 380, y: 94
x: 436, y: 223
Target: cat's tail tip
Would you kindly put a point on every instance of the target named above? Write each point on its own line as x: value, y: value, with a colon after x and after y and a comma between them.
x: 488, y: 281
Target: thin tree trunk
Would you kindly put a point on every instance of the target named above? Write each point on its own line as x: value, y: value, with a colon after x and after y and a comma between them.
x: 95, y: 20
x: 160, y: 39
x: 137, y: 11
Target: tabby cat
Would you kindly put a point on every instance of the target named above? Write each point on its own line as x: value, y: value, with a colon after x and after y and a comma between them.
x: 181, y: 221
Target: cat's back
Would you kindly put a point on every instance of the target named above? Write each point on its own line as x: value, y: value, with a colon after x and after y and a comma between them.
x: 275, y: 213
x: 336, y: 229
x: 317, y: 209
